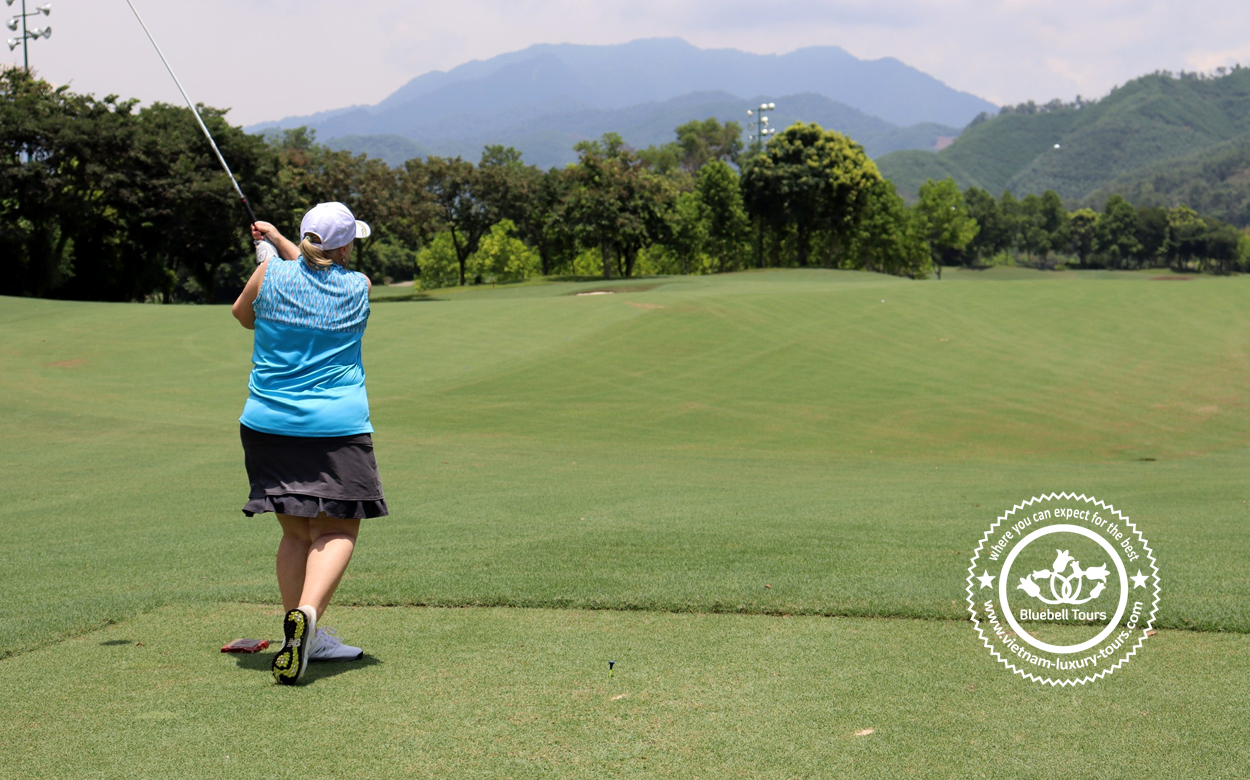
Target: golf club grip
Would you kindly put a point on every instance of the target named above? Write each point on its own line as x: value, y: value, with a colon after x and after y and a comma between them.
x: 250, y: 213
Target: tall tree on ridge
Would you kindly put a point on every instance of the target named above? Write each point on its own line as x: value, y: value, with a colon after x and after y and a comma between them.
x: 615, y: 203
x: 810, y: 179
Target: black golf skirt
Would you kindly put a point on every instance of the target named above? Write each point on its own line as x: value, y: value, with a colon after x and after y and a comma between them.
x: 305, y: 476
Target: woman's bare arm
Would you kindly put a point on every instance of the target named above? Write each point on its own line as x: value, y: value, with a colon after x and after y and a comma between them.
x: 242, y: 308
x: 286, y: 250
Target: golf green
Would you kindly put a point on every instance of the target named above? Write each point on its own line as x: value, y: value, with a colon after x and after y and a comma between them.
x: 802, y: 443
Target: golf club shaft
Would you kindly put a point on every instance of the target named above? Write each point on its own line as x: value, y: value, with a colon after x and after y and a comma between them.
x: 194, y: 112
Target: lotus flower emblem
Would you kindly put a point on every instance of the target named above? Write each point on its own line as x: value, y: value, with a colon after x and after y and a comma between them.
x: 1065, y: 588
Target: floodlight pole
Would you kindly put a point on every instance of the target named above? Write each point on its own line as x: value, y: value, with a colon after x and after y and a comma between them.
x: 761, y: 126
x: 46, y: 10
x: 761, y: 129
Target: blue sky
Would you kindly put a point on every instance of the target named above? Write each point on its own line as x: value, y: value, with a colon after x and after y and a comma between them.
x: 272, y: 58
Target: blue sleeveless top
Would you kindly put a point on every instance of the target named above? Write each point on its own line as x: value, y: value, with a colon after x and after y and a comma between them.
x: 307, y: 376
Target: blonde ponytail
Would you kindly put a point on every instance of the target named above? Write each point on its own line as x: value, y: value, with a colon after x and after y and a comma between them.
x: 316, y: 259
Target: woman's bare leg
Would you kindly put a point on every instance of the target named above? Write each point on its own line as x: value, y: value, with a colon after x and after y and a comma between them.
x: 293, y: 559
x: 332, y: 542
x: 312, y: 556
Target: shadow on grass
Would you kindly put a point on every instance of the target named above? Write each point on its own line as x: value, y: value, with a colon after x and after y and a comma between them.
x: 418, y: 297
x: 262, y: 662
x: 116, y: 643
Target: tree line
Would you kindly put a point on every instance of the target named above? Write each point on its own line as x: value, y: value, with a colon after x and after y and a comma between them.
x: 106, y: 201
x: 1038, y: 231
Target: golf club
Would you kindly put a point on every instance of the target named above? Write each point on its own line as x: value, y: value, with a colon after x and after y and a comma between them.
x: 191, y: 105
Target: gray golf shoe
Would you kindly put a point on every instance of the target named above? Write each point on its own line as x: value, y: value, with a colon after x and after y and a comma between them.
x: 326, y: 646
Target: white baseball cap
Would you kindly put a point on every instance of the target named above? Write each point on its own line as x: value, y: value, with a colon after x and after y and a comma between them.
x: 331, y: 226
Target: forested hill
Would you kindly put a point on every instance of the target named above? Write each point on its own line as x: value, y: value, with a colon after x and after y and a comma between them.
x: 1133, y: 136
x: 1215, y: 182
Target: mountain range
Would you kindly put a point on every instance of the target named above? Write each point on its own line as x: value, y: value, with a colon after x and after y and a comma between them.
x: 548, y: 140
x: 545, y: 98
x: 1160, y: 139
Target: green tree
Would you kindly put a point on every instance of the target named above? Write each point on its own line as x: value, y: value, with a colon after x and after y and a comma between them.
x: 547, y: 227
x: 506, y: 185
x: 944, y: 222
x: 502, y: 257
x: 615, y: 204
x: 665, y: 159
x: 391, y: 261
x: 1043, y: 224
x: 529, y: 198
x: 1013, y: 219
x: 993, y: 234
x: 1187, y: 237
x: 708, y: 141
x: 888, y: 239
x: 98, y: 201
x: 698, y: 143
x: 1223, y: 247
x: 1116, y: 236
x: 1053, y: 220
x: 728, y: 227
x: 596, y: 204
x: 1083, y: 228
x: 456, y: 188
x: 688, y: 234
x: 186, y: 215
x: 809, y: 180
x: 413, y: 212
x: 438, y: 262
x: 1034, y: 239
x: 1151, y: 234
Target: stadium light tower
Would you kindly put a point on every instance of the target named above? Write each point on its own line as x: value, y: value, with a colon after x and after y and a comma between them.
x: 38, y: 32
x: 762, y: 130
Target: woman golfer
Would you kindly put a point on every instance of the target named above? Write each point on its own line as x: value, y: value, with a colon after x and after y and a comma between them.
x: 305, y: 426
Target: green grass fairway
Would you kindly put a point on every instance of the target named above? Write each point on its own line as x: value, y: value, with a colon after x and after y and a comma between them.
x: 655, y: 456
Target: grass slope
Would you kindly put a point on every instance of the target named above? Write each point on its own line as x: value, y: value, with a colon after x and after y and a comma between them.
x: 675, y: 447
x: 842, y: 437
x: 1146, y: 122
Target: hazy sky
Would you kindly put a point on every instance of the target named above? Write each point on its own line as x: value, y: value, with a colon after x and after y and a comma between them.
x: 268, y: 59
